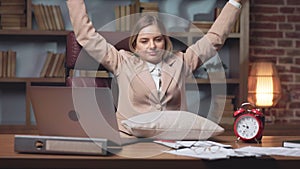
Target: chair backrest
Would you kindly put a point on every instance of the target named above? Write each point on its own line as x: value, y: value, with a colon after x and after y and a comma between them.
x: 119, y: 39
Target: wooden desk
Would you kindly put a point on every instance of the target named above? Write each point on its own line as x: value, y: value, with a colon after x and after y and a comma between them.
x: 10, y: 159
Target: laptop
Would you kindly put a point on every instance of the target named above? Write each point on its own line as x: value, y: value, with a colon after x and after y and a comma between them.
x: 77, y: 112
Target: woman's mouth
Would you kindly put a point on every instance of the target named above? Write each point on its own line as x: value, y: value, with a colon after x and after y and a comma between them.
x: 153, y: 53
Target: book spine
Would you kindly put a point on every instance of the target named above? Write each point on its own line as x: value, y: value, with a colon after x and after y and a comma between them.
x: 4, y: 63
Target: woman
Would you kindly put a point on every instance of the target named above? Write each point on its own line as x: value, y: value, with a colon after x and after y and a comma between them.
x: 150, y: 77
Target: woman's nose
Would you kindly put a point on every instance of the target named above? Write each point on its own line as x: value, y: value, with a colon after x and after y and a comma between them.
x: 152, y: 44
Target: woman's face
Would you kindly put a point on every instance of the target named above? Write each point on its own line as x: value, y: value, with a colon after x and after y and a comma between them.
x: 150, y: 44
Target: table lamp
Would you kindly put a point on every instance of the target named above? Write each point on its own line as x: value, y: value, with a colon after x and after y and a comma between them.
x: 264, y: 88
x: 264, y: 91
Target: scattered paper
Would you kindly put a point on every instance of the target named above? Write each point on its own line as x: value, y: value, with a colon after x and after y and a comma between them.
x: 205, y: 153
x: 281, y: 151
x: 211, y: 150
x: 188, y: 144
x: 200, y: 153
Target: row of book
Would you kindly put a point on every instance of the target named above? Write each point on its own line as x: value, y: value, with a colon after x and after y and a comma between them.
x: 48, y: 17
x: 54, y: 65
x: 8, y: 63
x: 204, y: 25
x: 13, y: 14
x: 127, y: 15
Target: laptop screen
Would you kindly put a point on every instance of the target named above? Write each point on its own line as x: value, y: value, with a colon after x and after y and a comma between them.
x: 75, y: 112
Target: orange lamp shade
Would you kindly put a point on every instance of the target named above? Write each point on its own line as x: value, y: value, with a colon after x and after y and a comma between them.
x: 264, y: 89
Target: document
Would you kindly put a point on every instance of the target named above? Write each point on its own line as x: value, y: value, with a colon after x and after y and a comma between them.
x: 211, y: 153
x: 186, y: 144
x: 281, y: 151
x: 211, y: 150
x: 208, y: 150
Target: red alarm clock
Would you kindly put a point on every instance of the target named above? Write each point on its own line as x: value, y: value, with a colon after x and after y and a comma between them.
x: 249, y: 123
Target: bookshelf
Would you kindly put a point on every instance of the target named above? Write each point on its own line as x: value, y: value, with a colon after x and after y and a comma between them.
x: 30, y: 44
x: 40, y: 41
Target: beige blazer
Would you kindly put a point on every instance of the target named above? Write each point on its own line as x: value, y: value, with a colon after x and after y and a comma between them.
x: 137, y: 90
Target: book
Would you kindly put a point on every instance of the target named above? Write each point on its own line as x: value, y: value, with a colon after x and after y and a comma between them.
x: 60, y: 63
x: 56, y: 17
x: 8, y: 71
x: 10, y: 55
x: 38, y: 17
x: 60, y: 17
x: 53, y: 64
x: 51, y: 16
x: 13, y: 58
x: 46, y: 64
x: 44, y: 17
x: 291, y: 143
x: 4, y: 63
x: 48, y: 17
x: 8, y: 63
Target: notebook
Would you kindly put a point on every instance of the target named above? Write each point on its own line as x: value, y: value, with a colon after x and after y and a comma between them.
x: 77, y: 112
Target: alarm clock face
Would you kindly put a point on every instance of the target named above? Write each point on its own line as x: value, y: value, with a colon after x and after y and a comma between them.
x: 247, y: 126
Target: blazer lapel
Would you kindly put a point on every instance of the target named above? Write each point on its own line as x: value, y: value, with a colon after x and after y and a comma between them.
x: 167, y: 75
x: 142, y: 72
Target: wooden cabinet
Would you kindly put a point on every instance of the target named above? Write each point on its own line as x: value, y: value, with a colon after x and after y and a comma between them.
x: 16, y: 114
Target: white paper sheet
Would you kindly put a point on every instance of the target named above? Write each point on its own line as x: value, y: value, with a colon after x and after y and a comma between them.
x: 204, y: 153
x: 211, y: 150
x: 187, y: 144
x: 281, y: 151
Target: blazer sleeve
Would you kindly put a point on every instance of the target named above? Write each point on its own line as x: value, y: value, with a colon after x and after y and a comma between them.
x: 210, y: 43
x: 86, y: 35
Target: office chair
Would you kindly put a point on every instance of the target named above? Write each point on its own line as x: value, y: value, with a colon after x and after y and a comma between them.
x: 73, y: 48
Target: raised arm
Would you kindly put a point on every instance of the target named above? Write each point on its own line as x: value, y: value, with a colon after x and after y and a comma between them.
x: 89, y: 39
x: 208, y: 46
x: 224, y: 23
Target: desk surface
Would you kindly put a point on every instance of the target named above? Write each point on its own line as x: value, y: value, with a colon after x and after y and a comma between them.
x: 147, y: 155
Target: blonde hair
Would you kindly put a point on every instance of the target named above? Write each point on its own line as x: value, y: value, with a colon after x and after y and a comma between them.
x: 145, y: 21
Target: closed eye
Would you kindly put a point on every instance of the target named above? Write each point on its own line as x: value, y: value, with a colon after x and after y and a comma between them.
x: 159, y: 39
x: 144, y: 40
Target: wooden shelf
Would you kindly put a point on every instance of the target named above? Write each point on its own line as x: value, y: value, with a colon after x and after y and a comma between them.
x: 38, y: 79
x: 33, y: 33
x: 207, y: 81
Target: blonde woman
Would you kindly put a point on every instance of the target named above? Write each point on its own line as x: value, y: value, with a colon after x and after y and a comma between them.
x: 150, y: 76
